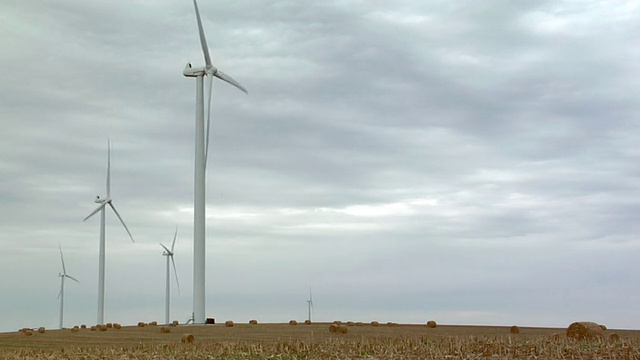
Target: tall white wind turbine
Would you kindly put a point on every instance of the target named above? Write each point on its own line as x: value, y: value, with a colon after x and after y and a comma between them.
x: 101, y: 208
x: 169, y: 254
x: 310, y: 304
x: 62, y: 276
x: 201, y: 153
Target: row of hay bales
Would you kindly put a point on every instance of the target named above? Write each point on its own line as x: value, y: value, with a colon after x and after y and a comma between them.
x: 580, y: 330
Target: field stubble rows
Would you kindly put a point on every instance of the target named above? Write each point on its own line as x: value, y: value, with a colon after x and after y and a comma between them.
x: 284, y: 341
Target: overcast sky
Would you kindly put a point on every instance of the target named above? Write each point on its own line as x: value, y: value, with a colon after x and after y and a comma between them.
x: 470, y: 162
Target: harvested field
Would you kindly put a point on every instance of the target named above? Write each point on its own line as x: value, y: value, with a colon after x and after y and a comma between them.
x: 315, y: 342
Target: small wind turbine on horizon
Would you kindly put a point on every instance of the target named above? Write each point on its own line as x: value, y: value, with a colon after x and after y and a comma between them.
x: 310, y: 304
x: 169, y: 254
x: 62, y: 276
x: 201, y: 153
x: 101, y: 208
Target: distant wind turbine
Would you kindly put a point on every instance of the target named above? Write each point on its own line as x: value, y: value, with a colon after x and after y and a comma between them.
x: 201, y: 153
x: 169, y: 254
x: 62, y: 276
x: 101, y: 208
x: 310, y: 304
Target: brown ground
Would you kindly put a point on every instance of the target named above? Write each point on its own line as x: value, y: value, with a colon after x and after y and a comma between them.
x: 130, y: 336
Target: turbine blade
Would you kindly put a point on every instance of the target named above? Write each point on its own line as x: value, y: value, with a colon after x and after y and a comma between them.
x: 165, y: 249
x: 64, y: 270
x: 72, y: 278
x: 203, y: 40
x: 206, y: 143
x: 122, y: 221
x: 222, y: 76
x: 175, y: 236
x: 175, y: 272
x: 95, y: 211
x: 108, y: 169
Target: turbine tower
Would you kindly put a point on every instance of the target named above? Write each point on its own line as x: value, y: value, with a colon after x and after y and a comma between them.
x: 201, y: 153
x: 101, y: 208
x: 62, y: 276
x: 310, y: 304
x: 169, y: 254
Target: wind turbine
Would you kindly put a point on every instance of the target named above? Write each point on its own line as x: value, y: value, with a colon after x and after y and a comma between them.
x: 62, y: 276
x: 310, y: 304
x: 169, y: 254
x: 101, y: 208
x: 201, y: 153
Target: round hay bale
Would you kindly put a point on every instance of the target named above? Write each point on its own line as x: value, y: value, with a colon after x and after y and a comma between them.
x: 338, y: 322
x: 102, y: 327
x: 83, y: 326
x: 293, y: 322
x: 93, y: 328
x: 307, y: 322
x: 41, y: 330
x: 350, y: 323
x: 187, y: 339
x: 333, y: 328
x: 153, y: 323
x: 27, y: 332
x: 165, y: 330
x: 175, y: 323
x: 614, y: 337
x: 75, y: 329
x: 375, y: 323
x: 602, y: 327
x: 117, y: 326
x: 253, y: 322
x: 359, y: 323
x: 585, y: 330
x: 228, y: 323
x: 431, y: 324
x: 514, y: 330
x: 342, y: 329
x: 142, y: 324
x: 109, y: 325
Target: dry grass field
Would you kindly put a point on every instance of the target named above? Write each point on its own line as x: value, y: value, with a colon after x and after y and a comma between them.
x: 315, y: 341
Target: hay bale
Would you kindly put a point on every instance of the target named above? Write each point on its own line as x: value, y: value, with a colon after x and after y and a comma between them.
x: 359, y: 323
x: 431, y: 324
x: 102, y: 327
x: 109, y: 325
x: 117, y: 326
x: 93, y: 328
x: 228, y: 323
x: 350, y: 323
x: 614, y: 337
x: 165, y: 330
x: 333, y: 328
x: 27, y: 332
x: 41, y: 330
x: 75, y: 329
x: 585, y: 330
x: 602, y: 327
x: 253, y: 322
x: 187, y: 339
x: 83, y: 326
x: 338, y: 322
x: 142, y: 324
x: 153, y: 323
x: 293, y: 322
x: 392, y: 324
x: 375, y: 323
x: 342, y: 329
x: 514, y: 330
x: 307, y: 322
x: 175, y: 323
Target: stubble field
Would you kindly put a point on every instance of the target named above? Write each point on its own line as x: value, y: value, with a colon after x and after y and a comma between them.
x: 315, y: 341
